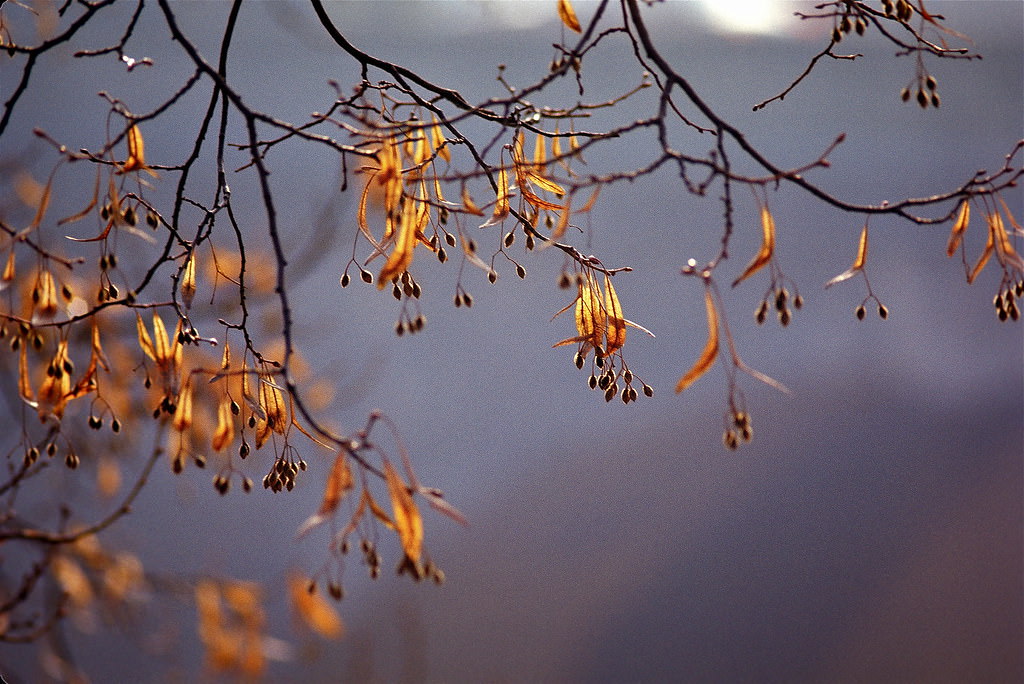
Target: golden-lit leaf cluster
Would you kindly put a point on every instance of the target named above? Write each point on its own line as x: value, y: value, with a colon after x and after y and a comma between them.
x: 312, y: 609
x: 231, y: 625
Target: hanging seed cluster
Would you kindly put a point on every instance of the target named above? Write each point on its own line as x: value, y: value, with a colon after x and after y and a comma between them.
x: 778, y: 300
x: 738, y: 430
x: 1005, y: 301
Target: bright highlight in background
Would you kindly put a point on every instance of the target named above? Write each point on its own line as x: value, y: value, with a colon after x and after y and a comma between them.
x: 746, y: 16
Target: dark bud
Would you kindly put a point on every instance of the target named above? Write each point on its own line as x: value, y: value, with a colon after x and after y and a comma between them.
x: 798, y: 302
x: 115, y: 425
x: 784, y: 317
x: 905, y: 94
x: 366, y: 276
x: 520, y: 271
x: 492, y: 276
x: 450, y: 239
x: 592, y: 382
x: 578, y: 360
x: 510, y: 238
x: 151, y: 219
x: 648, y: 391
x: 129, y: 216
x: 442, y: 255
x: 345, y: 280
x: 883, y: 312
x: 761, y: 313
x: 71, y: 460
x: 861, y: 312
x: 922, y: 98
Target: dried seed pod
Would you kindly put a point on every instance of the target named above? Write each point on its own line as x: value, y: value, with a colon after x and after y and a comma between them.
x: 510, y: 238
x: 798, y: 302
x: 860, y: 311
x: 883, y: 312
x: 761, y: 313
x: 442, y: 255
x: 648, y: 390
x: 520, y: 271
x: 784, y: 317
x: 366, y: 276
x: 730, y: 440
x: 345, y: 280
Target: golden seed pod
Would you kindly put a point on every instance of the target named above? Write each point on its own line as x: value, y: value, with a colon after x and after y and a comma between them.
x: 399, y: 328
x: 151, y: 219
x: 837, y: 35
x: 730, y: 440
x: 746, y: 433
x: 115, y: 425
x: 780, y: 299
x: 844, y: 25
x: 335, y: 591
x: 529, y: 242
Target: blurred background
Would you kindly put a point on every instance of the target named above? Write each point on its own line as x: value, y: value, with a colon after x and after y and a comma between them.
x: 873, y: 529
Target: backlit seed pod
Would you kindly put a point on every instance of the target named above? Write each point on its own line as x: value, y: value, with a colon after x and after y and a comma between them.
x: 529, y: 242
x: 784, y: 317
x: 115, y: 425
x: 883, y: 312
x: 625, y: 395
x: 578, y: 360
x: 648, y: 391
x: 604, y: 381
x: 861, y: 26
x: 844, y: 25
x: 442, y: 255
x: 492, y: 276
x: 510, y: 238
x: 761, y: 313
x: 129, y: 216
x: 71, y: 460
x: 467, y: 299
x: 458, y: 300
x: 632, y: 394
x: 729, y: 439
x: 746, y: 433
x: 935, y: 100
x: 564, y: 281
x: 798, y: 302
x: 860, y: 311
x: 520, y: 271
x: 1019, y: 288
x: 151, y: 219
x: 366, y: 276
x: 399, y: 328
x: 627, y: 376
x: 837, y: 35
x: 450, y: 239
x: 592, y: 382
x: 396, y: 291
x: 345, y: 280
x: 905, y: 94
x: 609, y: 393
x: 922, y: 98
x: 780, y: 299
x: 930, y: 82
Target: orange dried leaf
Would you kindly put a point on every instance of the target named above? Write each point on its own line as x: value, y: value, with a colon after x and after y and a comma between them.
x: 858, y: 263
x: 408, y: 522
x: 225, y: 431
x: 959, y: 226
x: 1008, y: 257
x: 136, y: 153
x: 225, y: 359
x: 539, y: 153
x: 710, y: 353
x: 145, y: 341
x: 563, y: 222
x: 438, y: 141
x: 983, y: 259
x: 45, y: 294
x: 183, y: 413
x: 161, y: 345
x: 468, y: 204
x: 377, y: 511
x: 24, y: 381
x: 616, y: 333
x: 502, y: 207
x: 188, y: 280
x: 313, y: 609
x: 568, y: 16
x: 763, y: 255
x: 339, y: 481
x: 9, y: 272
x: 401, y: 256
